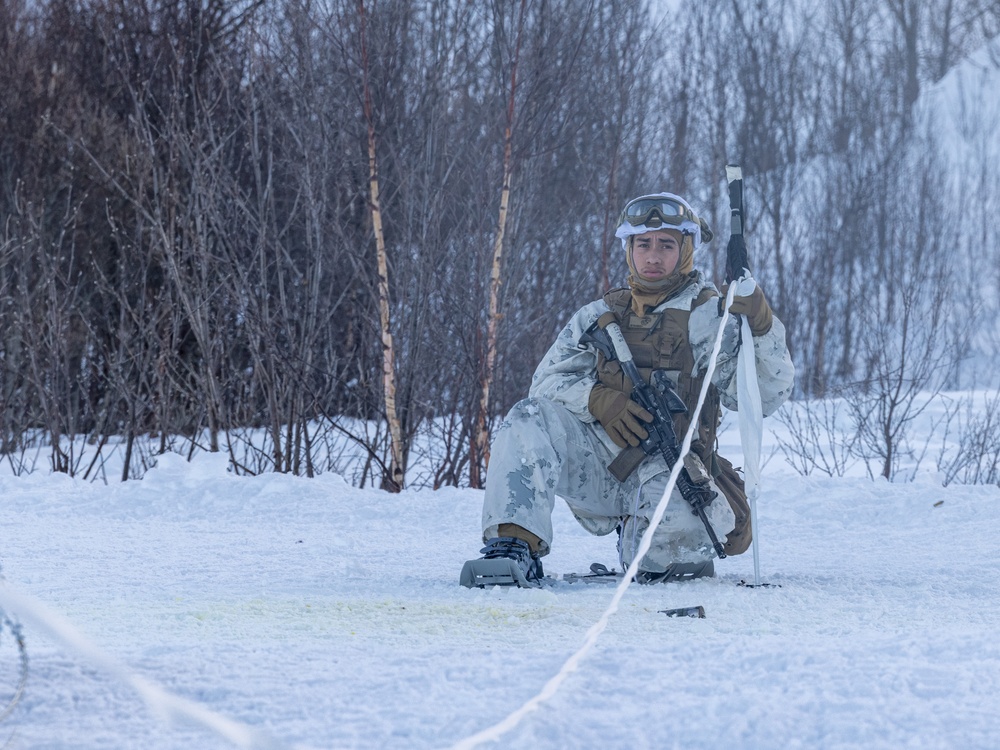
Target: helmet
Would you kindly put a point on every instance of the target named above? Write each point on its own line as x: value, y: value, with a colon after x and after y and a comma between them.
x: 649, y: 213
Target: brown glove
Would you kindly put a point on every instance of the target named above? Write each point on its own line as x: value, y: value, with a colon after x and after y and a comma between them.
x: 756, y: 310
x: 619, y: 415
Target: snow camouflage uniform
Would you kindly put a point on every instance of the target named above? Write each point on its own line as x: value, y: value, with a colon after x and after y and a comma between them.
x: 551, y: 444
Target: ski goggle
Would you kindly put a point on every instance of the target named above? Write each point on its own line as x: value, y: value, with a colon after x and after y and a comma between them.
x: 652, y: 211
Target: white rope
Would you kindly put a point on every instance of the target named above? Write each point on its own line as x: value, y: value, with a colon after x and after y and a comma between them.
x: 160, y: 702
x: 496, y: 731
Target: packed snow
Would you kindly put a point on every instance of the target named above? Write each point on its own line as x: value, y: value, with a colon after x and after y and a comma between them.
x: 325, y: 616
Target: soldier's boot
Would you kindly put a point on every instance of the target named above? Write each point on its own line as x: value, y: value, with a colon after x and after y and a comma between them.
x: 506, y: 561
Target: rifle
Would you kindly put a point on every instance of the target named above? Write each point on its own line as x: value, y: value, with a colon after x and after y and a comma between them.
x: 662, y: 402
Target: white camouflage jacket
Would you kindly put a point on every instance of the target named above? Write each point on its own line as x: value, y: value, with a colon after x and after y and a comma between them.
x: 568, y: 371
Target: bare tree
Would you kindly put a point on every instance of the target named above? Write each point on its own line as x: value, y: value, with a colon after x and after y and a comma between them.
x: 186, y: 223
x: 480, y: 450
x: 910, y: 336
x: 970, y: 439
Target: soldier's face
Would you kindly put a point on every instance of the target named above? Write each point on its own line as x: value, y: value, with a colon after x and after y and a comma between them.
x: 655, y: 254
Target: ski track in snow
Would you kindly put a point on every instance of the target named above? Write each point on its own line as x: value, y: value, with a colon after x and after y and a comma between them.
x: 329, y: 616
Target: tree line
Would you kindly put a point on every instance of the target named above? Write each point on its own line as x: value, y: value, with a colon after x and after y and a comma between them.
x: 213, y: 213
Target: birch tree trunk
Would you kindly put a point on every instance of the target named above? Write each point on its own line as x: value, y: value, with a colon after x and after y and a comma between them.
x: 393, y: 481
x: 480, y: 447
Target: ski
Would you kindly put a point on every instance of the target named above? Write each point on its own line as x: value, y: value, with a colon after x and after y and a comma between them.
x: 598, y: 574
x: 503, y: 572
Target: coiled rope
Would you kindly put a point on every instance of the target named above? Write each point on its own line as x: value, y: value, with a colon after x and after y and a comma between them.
x: 505, y: 725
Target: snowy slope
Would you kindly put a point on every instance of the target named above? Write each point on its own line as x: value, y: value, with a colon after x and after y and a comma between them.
x: 330, y: 617
x: 964, y: 110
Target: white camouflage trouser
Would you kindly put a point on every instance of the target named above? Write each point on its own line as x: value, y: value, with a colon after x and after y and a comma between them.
x: 542, y: 450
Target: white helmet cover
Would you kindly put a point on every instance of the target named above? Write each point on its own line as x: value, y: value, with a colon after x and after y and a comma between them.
x: 626, y: 230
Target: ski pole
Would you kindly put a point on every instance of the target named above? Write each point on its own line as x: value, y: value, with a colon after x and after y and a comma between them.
x: 750, y: 416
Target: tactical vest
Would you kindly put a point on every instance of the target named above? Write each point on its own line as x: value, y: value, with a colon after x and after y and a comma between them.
x: 659, y: 341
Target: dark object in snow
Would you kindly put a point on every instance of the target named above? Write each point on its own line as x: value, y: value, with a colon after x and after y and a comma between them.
x: 698, y: 612
x: 939, y: 503
x: 746, y: 585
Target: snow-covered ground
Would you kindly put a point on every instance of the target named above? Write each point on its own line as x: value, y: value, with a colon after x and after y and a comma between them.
x: 330, y: 617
